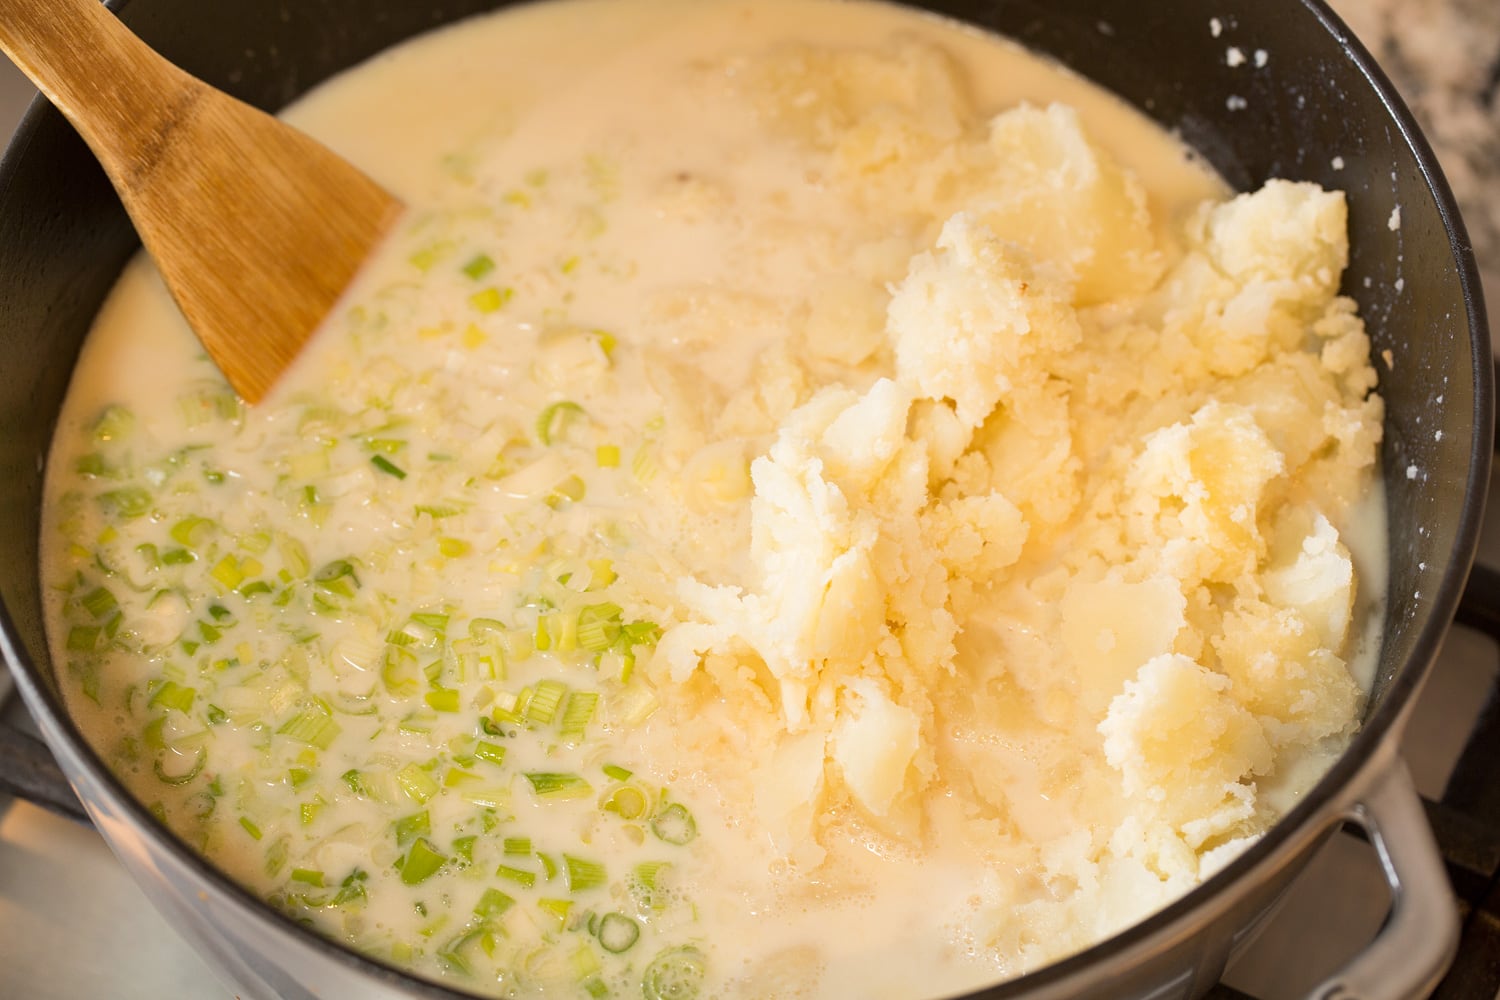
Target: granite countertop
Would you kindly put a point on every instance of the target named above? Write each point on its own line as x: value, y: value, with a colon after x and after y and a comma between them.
x: 1444, y: 58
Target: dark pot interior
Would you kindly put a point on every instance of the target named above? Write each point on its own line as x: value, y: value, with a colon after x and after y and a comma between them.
x: 64, y: 238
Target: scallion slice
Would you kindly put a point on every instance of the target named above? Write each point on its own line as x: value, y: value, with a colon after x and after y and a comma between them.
x: 555, y: 785
x: 421, y: 862
x: 617, y: 932
x: 673, y: 824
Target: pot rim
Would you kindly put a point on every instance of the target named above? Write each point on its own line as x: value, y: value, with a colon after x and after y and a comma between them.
x: 1318, y: 806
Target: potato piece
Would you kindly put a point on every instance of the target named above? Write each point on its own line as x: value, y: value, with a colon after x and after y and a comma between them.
x: 971, y: 321
x: 873, y: 745
x: 1111, y: 627
x: 1181, y: 742
x: 1059, y: 196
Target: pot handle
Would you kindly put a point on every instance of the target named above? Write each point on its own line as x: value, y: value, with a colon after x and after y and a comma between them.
x: 1414, y: 948
x: 29, y: 771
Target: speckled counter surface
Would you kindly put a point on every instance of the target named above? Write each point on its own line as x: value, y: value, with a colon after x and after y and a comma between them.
x: 1444, y: 58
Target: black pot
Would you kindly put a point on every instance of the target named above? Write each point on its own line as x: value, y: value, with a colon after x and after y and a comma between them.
x: 64, y: 238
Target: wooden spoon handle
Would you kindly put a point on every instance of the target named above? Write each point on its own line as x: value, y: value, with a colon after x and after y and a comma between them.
x: 119, y: 94
x: 256, y: 228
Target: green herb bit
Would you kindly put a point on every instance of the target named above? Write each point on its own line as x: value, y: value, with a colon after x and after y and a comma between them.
x: 387, y: 466
x: 675, y: 974
x: 583, y: 874
x: 617, y: 932
x: 478, y: 266
x: 673, y: 824
x: 554, y: 785
x: 409, y: 828
x: 250, y: 827
x: 554, y: 420
x: 420, y: 863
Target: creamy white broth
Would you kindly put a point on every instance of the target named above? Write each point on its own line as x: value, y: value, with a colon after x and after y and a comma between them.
x: 554, y: 440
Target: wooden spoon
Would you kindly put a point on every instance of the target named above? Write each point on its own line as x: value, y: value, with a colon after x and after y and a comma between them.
x: 256, y: 228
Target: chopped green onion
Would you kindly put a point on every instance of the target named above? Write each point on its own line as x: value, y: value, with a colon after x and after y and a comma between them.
x: 598, y: 626
x: 250, y: 828
x: 337, y: 577
x: 387, y: 466
x: 128, y: 502
x: 478, y: 266
x: 495, y: 754
x: 607, y: 456
x: 546, y: 698
x: 675, y: 974
x: 558, y: 908
x: 313, y: 726
x: 443, y: 700
x: 191, y: 531
x: 418, y: 785
x: 627, y: 802
x: 464, y: 847
x: 420, y: 863
x: 577, y: 714
x: 555, y: 418
x: 356, y: 782
x: 518, y: 846
x: 674, y: 824
x: 569, y: 491
x: 553, y: 785
x: 493, y: 903
x: 308, y: 876
x: 83, y: 637
x: 617, y: 932
x: 617, y: 772
x: 351, y: 889
x: 409, y: 828
x: 491, y: 299
x: 174, y: 695
x: 516, y: 875
x: 583, y: 874
x: 99, y: 602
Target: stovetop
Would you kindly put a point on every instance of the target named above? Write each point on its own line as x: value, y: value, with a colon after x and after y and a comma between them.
x: 73, y: 925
